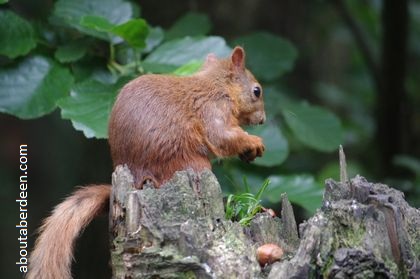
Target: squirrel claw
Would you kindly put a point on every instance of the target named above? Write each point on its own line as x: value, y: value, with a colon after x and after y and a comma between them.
x: 250, y: 155
x: 247, y: 156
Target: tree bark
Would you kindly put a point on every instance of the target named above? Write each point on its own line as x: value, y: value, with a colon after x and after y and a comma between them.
x: 363, y: 230
x: 179, y: 231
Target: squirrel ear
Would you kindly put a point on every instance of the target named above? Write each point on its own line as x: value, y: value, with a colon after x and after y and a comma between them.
x: 210, y: 59
x: 238, y: 58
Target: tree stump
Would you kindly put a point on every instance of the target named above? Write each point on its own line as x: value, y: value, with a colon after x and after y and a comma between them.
x: 363, y: 230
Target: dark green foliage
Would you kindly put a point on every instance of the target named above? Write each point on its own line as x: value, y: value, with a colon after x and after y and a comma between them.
x: 32, y: 87
x: 79, y: 57
x: 268, y: 55
x: 191, y: 24
x: 17, y: 36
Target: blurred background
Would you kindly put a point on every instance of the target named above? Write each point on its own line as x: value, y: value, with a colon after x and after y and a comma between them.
x: 333, y: 72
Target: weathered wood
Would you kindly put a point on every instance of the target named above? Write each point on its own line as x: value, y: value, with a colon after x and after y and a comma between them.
x: 363, y: 230
x: 178, y: 231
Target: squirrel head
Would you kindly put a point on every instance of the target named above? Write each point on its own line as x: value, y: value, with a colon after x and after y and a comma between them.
x: 247, y: 92
x: 238, y: 84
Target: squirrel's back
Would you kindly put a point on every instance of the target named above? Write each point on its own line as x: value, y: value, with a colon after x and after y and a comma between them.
x: 155, y: 126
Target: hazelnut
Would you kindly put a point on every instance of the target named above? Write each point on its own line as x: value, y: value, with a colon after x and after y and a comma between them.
x: 269, y: 253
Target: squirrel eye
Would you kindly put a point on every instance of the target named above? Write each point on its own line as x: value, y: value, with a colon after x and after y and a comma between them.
x: 257, y: 91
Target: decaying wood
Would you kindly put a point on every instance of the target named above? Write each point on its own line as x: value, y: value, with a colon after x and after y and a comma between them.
x: 363, y: 230
x: 179, y: 230
x: 343, y: 165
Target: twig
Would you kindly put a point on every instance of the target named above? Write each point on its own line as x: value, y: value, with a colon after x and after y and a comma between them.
x: 343, y: 165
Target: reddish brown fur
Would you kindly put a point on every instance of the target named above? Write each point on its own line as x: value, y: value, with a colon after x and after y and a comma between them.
x: 160, y: 124
x: 53, y: 253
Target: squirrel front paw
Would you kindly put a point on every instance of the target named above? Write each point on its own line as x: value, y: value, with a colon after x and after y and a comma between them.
x: 254, y: 148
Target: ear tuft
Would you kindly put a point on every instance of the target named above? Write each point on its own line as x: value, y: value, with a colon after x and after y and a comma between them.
x: 238, y: 57
x: 210, y: 59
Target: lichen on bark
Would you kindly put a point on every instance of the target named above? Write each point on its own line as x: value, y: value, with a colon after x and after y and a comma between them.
x: 362, y: 230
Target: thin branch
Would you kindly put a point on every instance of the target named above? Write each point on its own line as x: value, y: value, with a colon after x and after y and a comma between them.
x: 343, y: 166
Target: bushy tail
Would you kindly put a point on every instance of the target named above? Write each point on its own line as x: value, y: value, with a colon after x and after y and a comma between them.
x: 53, y: 252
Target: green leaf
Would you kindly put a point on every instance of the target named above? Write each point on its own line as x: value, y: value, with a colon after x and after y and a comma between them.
x: 97, y: 23
x: 134, y: 32
x: 89, y: 106
x: 154, y: 38
x: 275, y: 100
x: 32, y: 88
x: 268, y: 56
x: 314, y: 126
x: 242, y: 207
x: 71, y: 13
x: 191, y: 24
x: 408, y: 162
x: 173, y: 54
x: 189, y: 68
x: 17, y: 36
x: 276, y: 146
x: 3, y: 1
x: 71, y: 52
x: 301, y: 189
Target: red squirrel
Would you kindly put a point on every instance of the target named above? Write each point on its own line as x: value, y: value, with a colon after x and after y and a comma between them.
x: 160, y: 124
